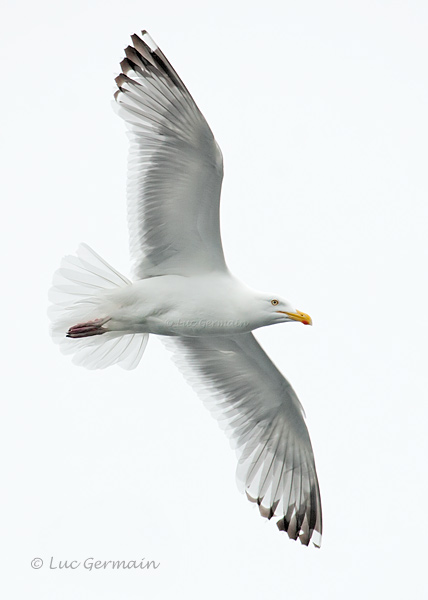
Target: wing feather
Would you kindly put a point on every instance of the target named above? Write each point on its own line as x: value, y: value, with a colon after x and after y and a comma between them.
x: 265, y: 420
x: 175, y: 168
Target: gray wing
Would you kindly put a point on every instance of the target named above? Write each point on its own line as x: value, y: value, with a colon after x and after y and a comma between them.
x: 175, y: 169
x: 264, y: 419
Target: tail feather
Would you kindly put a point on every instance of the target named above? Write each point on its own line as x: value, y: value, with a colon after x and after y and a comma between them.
x: 79, y: 313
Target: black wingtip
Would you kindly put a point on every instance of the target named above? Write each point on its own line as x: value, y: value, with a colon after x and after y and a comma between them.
x: 136, y: 39
x: 121, y: 79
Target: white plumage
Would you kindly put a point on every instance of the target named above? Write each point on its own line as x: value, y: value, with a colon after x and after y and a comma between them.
x: 184, y: 292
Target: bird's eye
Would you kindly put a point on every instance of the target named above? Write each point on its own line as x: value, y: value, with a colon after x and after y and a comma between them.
x: 274, y: 302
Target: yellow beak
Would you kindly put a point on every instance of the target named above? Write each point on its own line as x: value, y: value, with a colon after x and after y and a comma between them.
x: 298, y: 316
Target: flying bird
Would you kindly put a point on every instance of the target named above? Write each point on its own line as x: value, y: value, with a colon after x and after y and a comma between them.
x: 184, y: 292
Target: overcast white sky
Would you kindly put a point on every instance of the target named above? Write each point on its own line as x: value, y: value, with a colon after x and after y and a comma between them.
x: 320, y: 109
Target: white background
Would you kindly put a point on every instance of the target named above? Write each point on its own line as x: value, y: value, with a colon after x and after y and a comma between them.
x: 320, y: 109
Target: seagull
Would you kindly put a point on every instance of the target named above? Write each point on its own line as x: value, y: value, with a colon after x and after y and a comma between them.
x: 184, y: 292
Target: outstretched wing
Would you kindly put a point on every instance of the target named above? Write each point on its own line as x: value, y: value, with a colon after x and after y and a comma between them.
x: 175, y: 169
x: 264, y: 418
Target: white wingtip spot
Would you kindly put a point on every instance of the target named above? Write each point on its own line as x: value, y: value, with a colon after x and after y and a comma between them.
x: 148, y: 40
x: 316, y: 539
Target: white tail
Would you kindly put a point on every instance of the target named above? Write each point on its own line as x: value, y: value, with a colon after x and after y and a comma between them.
x: 78, y: 295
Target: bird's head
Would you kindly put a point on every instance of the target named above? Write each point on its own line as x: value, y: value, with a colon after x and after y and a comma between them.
x: 279, y: 310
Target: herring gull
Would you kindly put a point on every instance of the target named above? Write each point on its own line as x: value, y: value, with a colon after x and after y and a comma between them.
x: 184, y: 292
